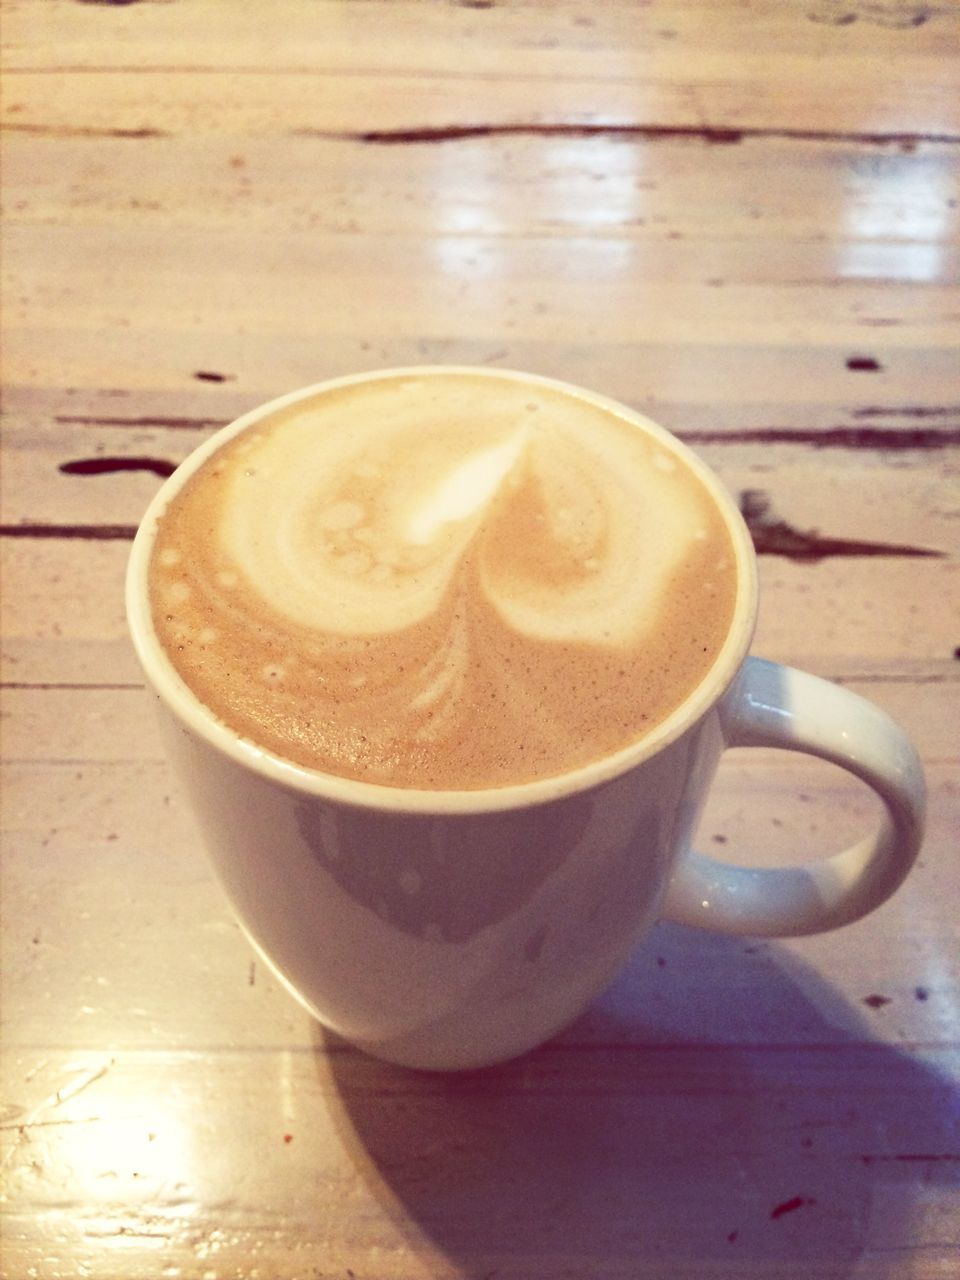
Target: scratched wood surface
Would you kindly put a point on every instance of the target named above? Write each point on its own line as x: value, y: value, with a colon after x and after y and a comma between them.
x: 740, y: 217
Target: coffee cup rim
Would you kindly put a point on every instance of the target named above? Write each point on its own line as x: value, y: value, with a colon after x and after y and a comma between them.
x: 194, y: 715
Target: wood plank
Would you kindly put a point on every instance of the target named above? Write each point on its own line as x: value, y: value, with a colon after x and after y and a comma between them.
x: 511, y: 185
x: 811, y: 103
x: 78, y: 472
x: 623, y: 292
x: 69, y: 592
x: 387, y: 301
x: 698, y: 391
x: 406, y: 1177
x: 410, y: 34
x: 696, y: 384
x: 849, y: 618
x: 799, y: 75
x: 516, y: 185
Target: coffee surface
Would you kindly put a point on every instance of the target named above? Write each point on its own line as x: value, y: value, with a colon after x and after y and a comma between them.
x: 446, y: 581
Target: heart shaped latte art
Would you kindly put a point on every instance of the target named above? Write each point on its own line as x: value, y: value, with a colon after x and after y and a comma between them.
x: 567, y: 535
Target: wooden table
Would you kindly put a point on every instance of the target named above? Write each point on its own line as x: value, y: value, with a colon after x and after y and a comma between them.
x: 739, y: 216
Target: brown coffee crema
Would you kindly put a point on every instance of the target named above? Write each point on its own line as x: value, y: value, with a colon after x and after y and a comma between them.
x: 446, y: 581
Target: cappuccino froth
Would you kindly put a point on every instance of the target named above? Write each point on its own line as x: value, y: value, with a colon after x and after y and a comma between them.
x: 443, y: 581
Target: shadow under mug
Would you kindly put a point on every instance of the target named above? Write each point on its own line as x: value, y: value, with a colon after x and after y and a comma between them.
x: 455, y: 929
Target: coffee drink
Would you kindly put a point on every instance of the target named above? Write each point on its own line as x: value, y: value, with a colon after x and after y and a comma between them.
x: 443, y: 580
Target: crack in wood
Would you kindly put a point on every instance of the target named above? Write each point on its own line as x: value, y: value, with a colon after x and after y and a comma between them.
x: 712, y: 134
x: 910, y: 1157
x: 82, y: 532
x: 887, y: 677
x: 897, y: 16
x: 56, y: 1099
x: 771, y: 536
x: 842, y: 437
x: 176, y: 424
x: 791, y: 1206
x: 82, y: 131
x: 908, y: 411
x: 107, y: 466
x: 876, y: 438
x: 57, y: 685
x: 24, y: 1125
x: 775, y: 537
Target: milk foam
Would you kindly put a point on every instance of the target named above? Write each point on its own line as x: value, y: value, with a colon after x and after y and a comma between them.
x: 572, y: 532
x: 375, y: 575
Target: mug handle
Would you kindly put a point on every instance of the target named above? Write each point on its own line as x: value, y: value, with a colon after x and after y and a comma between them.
x: 770, y: 705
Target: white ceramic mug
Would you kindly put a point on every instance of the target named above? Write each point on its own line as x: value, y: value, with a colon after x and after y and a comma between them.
x: 456, y: 929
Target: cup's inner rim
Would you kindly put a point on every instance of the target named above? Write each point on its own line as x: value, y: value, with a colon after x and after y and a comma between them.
x: 187, y: 707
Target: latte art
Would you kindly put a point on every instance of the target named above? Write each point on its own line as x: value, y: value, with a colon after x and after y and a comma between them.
x: 370, y: 534
x: 446, y: 581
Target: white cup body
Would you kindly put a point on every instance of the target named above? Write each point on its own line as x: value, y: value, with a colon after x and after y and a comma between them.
x: 446, y: 940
